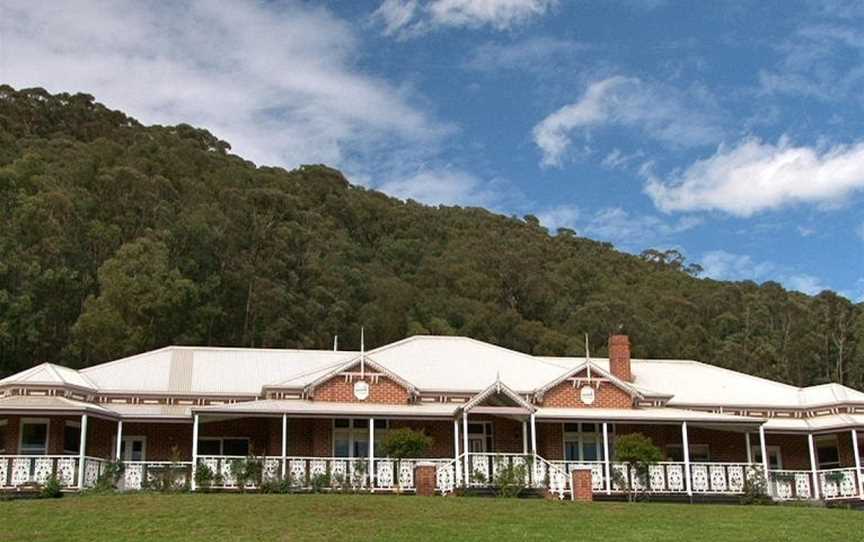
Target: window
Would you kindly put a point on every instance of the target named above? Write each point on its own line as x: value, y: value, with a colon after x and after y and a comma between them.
x: 133, y: 448
x: 827, y: 454
x: 3, y: 436
x: 351, y: 437
x: 34, y: 436
x: 583, y: 442
x: 237, y: 446
x: 480, y: 437
x: 699, y: 453
x: 775, y: 460
x: 72, y: 438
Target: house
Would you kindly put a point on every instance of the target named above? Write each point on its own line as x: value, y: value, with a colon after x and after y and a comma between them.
x: 307, y: 413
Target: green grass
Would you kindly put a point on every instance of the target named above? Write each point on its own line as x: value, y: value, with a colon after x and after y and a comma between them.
x: 190, y: 517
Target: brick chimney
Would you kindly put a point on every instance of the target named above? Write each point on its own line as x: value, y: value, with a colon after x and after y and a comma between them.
x: 619, y: 357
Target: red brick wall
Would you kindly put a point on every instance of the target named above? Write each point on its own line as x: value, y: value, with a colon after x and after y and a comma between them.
x: 550, y: 441
x: 162, y: 438
x: 794, y: 449
x: 566, y: 396
x: 384, y: 390
x: 100, y: 434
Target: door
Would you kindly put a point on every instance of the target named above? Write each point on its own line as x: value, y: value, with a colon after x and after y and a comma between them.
x: 479, y: 437
x: 133, y: 449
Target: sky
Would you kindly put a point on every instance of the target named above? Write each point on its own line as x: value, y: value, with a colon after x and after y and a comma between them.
x: 731, y: 131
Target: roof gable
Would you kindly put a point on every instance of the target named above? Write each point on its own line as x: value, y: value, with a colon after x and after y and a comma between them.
x: 49, y: 374
x: 592, y: 369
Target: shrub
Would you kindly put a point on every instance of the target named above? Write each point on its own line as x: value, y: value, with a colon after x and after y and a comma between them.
x: 755, y: 489
x: 110, y: 476
x: 168, y: 478
x: 405, y: 443
x: 51, y: 489
x: 638, y: 452
x: 510, y: 480
x: 204, y: 477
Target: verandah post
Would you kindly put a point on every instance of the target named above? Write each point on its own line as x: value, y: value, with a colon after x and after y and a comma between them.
x: 749, y: 448
x: 284, y: 443
x: 813, y: 465
x: 119, y: 439
x: 82, y: 449
x: 524, y: 437
x: 764, y: 449
x: 372, y: 454
x: 193, y: 485
x: 857, y: 464
x: 465, y: 447
x: 606, y: 460
x: 686, y: 447
x: 457, y: 464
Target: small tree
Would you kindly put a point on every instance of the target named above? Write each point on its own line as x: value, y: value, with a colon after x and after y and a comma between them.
x: 638, y: 453
x: 404, y: 443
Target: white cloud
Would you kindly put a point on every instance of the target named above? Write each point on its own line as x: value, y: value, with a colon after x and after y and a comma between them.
x: 662, y: 113
x: 410, y: 18
x: 628, y: 230
x: 533, y: 54
x: 807, y: 284
x: 278, y: 81
x: 722, y: 265
x: 452, y: 186
x: 754, y: 176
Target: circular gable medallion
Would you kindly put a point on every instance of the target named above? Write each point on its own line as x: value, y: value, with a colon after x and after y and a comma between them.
x: 361, y: 390
x: 587, y: 395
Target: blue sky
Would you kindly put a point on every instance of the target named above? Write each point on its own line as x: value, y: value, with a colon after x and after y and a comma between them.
x: 731, y: 131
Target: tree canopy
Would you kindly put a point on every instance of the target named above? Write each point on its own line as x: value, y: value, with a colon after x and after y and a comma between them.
x: 117, y: 238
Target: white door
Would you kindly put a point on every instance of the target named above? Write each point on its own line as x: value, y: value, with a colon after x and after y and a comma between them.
x: 133, y: 449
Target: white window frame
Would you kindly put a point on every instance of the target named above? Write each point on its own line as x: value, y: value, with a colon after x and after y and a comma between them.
x: 488, y: 435
x: 70, y: 423
x: 5, y: 424
x: 693, y: 447
x: 582, y: 437
x: 222, y: 443
x: 34, y: 421
x: 352, y: 432
x: 756, y: 454
x: 834, y: 442
x: 124, y: 443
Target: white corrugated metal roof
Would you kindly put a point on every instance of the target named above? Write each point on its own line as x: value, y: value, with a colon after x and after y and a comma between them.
x: 184, y: 369
x: 431, y: 363
x: 642, y: 414
x: 272, y: 406
x: 50, y: 403
x: 51, y: 375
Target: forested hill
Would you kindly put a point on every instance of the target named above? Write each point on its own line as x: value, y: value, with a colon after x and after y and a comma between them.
x: 117, y: 238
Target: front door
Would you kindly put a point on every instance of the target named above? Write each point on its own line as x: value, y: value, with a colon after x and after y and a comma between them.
x: 479, y: 437
x: 133, y: 449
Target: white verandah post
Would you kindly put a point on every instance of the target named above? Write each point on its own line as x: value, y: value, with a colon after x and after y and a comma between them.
x: 371, y: 454
x: 193, y: 485
x: 119, y: 440
x: 749, y: 448
x: 686, y: 448
x: 284, y: 444
x: 82, y: 449
x: 457, y: 463
x: 524, y: 437
x: 764, y: 449
x: 857, y: 464
x: 813, y: 465
x: 465, y: 447
x: 533, y: 435
x: 606, y: 459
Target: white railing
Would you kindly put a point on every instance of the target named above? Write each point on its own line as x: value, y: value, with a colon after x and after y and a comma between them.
x: 17, y: 471
x: 551, y: 477
x: 788, y: 485
x: 484, y: 468
x: 598, y: 478
x: 138, y: 475
x: 838, y: 483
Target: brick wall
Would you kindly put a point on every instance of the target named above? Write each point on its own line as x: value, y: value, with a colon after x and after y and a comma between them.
x: 385, y: 390
x: 566, y: 396
x: 162, y: 438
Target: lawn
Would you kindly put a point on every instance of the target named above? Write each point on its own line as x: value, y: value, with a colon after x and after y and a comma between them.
x: 189, y: 517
